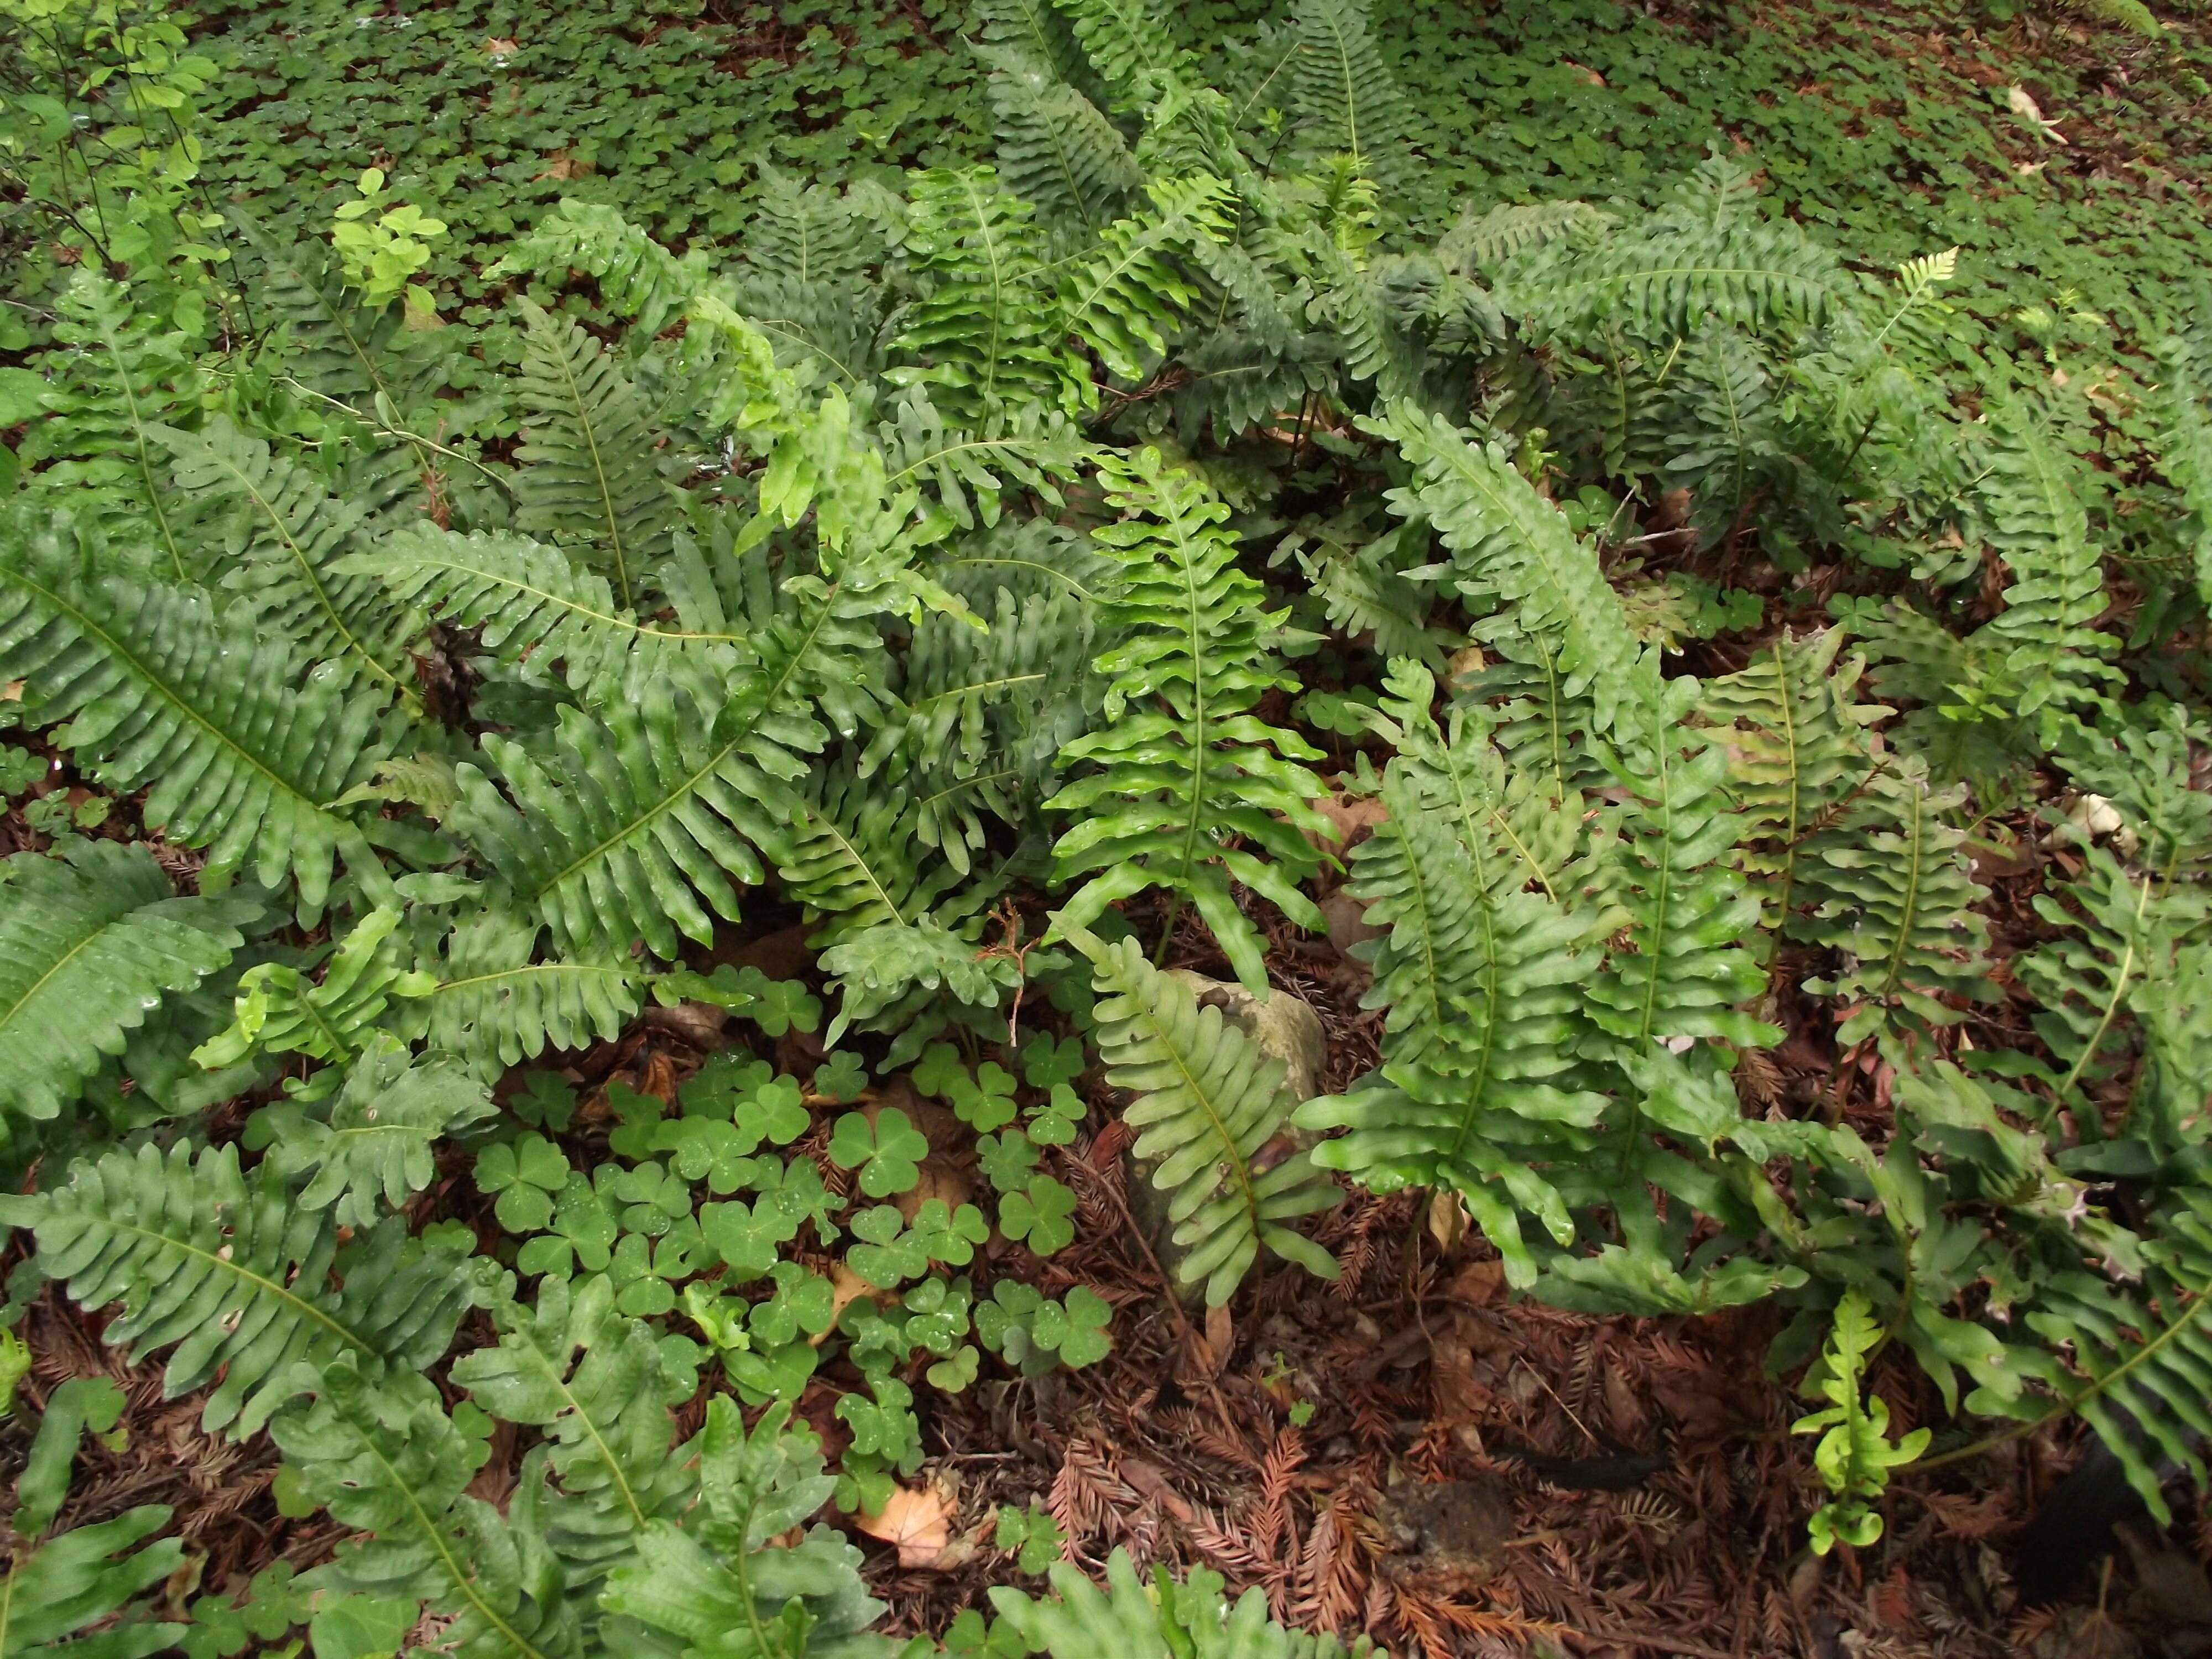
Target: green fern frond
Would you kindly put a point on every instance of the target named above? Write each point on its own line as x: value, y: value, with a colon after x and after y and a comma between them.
x: 254, y: 1293
x: 1667, y: 275
x: 1182, y: 766
x: 1145, y: 1619
x: 637, y: 277
x: 2130, y: 16
x: 2184, y: 440
x: 1684, y: 972
x: 811, y: 235
x: 1038, y: 31
x: 1727, y: 450
x: 1797, y: 747
x: 890, y: 973
x: 2115, y: 945
x: 1364, y: 589
x: 719, y: 1582
x: 966, y: 471
x: 1054, y: 147
x: 1481, y: 238
x: 89, y: 942
x: 2144, y: 765
x: 495, y: 1004
x: 590, y: 477
x: 1124, y: 300
x: 852, y: 857
x: 375, y: 1149
x: 984, y: 334
x: 1342, y: 100
x: 294, y: 532
x: 593, y: 1383
x: 1205, y: 1102
x: 281, y: 1010
x: 1897, y: 898
x: 124, y: 375
x: 240, y: 749
x: 379, y: 1452
x: 1545, y: 732
x: 1128, y: 45
x: 1512, y: 549
x: 529, y: 602
x: 333, y: 342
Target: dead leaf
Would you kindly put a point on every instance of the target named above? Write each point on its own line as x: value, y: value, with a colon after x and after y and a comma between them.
x: 845, y: 1287
x: 1351, y: 817
x: 501, y: 50
x: 916, y: 1520
x: 561, y: 165
x: 1447, y: 1219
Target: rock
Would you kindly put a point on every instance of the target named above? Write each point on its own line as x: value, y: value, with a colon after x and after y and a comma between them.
x: 1450, y: 1537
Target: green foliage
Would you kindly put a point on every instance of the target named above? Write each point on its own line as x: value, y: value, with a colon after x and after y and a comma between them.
x: 1854, y: 1455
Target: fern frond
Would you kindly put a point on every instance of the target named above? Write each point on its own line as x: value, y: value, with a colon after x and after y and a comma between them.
x: 1666, y: 276
x: 1128, y: 45
x: 985, y: 331
x: 124, y: 376
x: 253, y: 1292
x: 637, y: 277
x: 2130, y: 16
x: 89, y: 941
x: 591, y: 479
x: 495, y: 1004
x: 2144, y: 766
x: 241, y: 750
x: 1685, y: 972
x: 2115, y: 943
x: 2185, y: 440
x: 1054, y: 147
x: 811, y: 235
x: 282, y: 1010
x: 375, y: 1150
x: 1135, y: 1615
x: 1797, y: 747
x: 968, y: 471
x: 1182, y: 766
x: 72, y: 1596
x: 295, y: 532
x: 1727, y: 450
x: 1498, y: 232
x: 1363, y: 590
x: 333, y: 342
x: 1124, y: 300
x: 1038, y: 31
x: 1512, y: 548
x: 379, y: 1452
x: 1206, y: 1101
x: 1896, y: 897
x: 594, y: 1381
x: 1545, y: 732
x: 1342, y: 99
x: 529, y: 602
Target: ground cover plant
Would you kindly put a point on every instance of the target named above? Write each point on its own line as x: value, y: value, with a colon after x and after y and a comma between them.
x: 597, y: 943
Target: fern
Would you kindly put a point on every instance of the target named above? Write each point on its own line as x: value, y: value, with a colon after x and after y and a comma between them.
x: 971, y: 471
x: 1896, y: 898
x: 248, y: 1287
x: 2130, y: 16
x: 636, y: 278
x: 1186, y: 764
x: 1512, y: 548
x: 1205, y: 1102
x: 1797, y: 749
x: 295, y: 532
x: 1485, y: 238
x: 1132, y: 1616
x: 1054, y: 147
x: 375, y: 1150
x: 1341, y: 98
x: 590, y: 477
x: 89, y: 942
x: 2185, y: 440
x: 1124, y: 300
x: 281, y: 1010
x: 495, y: 1004
x: 382, y: 1455
x: 2115, y: 946
x: 1667, y: 275
x: 1128, y: 45
x: 334, y: 343
x: 594, y: 1383
x: 240, y: 750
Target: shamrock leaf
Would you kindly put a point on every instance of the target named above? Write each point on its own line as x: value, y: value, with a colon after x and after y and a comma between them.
x: 797, y: 1187
x: 841, y: 1076
x: 784, y: 1003
x: 887, y: 1254
x: 947, y: 1235
x: 639, y: 1116
x: 956, y: 1373
x: 715, y: 1089
x: 545, y: 1101
x: 779, y: 1374
x: 1031, y: 1536
x: 708, y: 1149
x: 584, y: 1215
x: 887, y: 1152
x: 748, y: 1235
x: 524, y: 1174
x: 639, y: 1291
x: 803, y: 1301
x: 936, y: 1316
x: 1055, y: 1123
x: 775, y: 1112
x: 1049, y: 1062
x: 940, y: 1071
x: 653, y: 1198
x: 1041, y: 1214
x: 988, y: 1102
x: 1080, y: 1334
x: 1005, y: 1160
x: 883, y: 1428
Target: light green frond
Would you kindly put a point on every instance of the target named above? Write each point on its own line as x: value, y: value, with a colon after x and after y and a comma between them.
x: 637, y: 277
x: 1481, y: 238
x: 1668, y: 275
x: 1125, y: 299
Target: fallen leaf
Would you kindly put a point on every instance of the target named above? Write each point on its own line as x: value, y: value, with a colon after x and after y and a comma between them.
x: 561, y: 165
x: 916, y: 1521
x: 501, y: 50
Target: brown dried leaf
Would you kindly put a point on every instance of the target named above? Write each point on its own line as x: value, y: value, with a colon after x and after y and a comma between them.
x: 917, y: 1521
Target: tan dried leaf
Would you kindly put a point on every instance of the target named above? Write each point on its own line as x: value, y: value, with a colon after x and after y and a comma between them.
x: 916, y: 1520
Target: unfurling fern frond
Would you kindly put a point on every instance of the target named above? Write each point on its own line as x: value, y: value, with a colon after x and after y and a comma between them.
x: 380, y: 1454
x: 1205, y: 1102
x: 294, y: 532
x: 637, y: 277
x: 720, y: 1583
x: 375, y: 1149
x: 1139, y: 1616
x: 1797, y: 747
x: 1685, y: 972
x: 1895, y: 896
x: 247, y: 1285
x: 125, y: 376
x: 1054, y: 147
x: 1123, y: 300
x: 241, y: 750
x: 529, y: 601
x: 496, y: 1004
x: 594, y: 1381
x: 984, y: 335
x: 282, y: 1010
x: 88, y: 943
x: 1183, y: 767
x: 1514, y: 550
x: 1482, y: 983
x: 591, y: 479
x: 1342, y: 100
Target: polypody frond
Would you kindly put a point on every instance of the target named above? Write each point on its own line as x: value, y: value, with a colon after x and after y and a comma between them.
x: 496, y: 1003
x: 1054, y: 147
x: 1341, y: 98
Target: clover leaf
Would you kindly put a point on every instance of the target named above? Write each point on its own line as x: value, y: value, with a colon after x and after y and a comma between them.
x: 639, y: 1116
x: 775, y: 1112
x: 1054, y: 1122
x: 841, y: 1076
x: 525, y: 1174
x: 1049, y: 1062
x: 955, y: 1373
x: 1005, y: 1160
x: 940, y: 1071
x: 545, y: 1101
x: 947, y: 1235
x: 748, y: 1235
x: 887, y: 1152
x: 1041, y: 1214
x: 803, y: 1301
x: 653, y: 1200
x: 987, y: 1103
x: 887, y: 1254
x: 1031, y: 1536
x: 710, y: 1150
